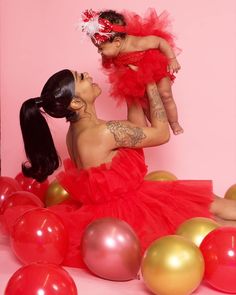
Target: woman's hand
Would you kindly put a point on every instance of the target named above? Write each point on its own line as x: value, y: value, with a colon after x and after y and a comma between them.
x: 173, y: 66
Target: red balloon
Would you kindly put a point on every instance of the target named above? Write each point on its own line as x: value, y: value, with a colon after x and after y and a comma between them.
x: 219, y: 251
x: 40, y: 278
x: 39, y: 236
x: 21, y: 198
x: 31, y: 185
x: 8, y: 185
x: 11, y: 215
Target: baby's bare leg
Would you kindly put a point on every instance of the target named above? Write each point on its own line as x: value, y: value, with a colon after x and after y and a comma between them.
x: 164, y: 88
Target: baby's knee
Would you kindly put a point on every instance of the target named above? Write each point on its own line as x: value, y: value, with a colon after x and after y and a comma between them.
x: 166, y: 96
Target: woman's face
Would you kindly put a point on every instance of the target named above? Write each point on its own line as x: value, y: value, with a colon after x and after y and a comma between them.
x: 85, y: 88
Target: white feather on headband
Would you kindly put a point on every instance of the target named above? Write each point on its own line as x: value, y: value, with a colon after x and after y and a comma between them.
x: 100, y: 30
x: 91, y: 26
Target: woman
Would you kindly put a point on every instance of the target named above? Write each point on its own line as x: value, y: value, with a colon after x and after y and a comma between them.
x: 106, y: 174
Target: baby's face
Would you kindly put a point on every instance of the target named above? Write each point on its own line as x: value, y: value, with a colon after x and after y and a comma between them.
x: 109, y: 49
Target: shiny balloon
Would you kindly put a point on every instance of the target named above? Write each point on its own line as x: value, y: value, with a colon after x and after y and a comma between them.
x: 231, y: 192
x: 160, y: 175
x: 111, y: 249
x: 172, y: 265
x: 20, y: 198
x: 55, y: 194
x: 39, y: 236
x: 41, y: 279
x: 31, y: 185
x: 8, y: 185
x: 13, y: 213
x: 195, y: 229
x: 219, y: 251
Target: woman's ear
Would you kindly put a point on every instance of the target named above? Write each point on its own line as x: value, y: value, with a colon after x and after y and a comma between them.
x: 76, y: 103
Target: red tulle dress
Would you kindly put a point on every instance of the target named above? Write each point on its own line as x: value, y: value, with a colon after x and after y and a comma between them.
x: 118, y: 189
x: 126, y: 84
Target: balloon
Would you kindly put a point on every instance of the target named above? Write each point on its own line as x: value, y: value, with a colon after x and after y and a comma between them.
x: 8, y: 185
x: 21, y: 198
x: 219, y: 251
x: 41, y: 279
x: 31, y: 185
x: 195, y: 229
x: 39, y: 236
x: 55, y: 194
x: 231, y: 192
x: 111, y: 249
x: 160, y: 175
x: 172, y: 265
x: 13, y: 213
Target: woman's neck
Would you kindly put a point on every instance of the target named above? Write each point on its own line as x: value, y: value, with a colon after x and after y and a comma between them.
x: 86, y: 116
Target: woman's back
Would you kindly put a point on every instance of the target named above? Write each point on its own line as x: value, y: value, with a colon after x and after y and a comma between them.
x: 87, y: 144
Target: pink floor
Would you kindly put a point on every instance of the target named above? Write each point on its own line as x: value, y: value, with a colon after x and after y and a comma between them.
x: 85, y: 282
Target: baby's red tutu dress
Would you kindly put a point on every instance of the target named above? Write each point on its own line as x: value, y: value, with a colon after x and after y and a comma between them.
x: 127, y: 84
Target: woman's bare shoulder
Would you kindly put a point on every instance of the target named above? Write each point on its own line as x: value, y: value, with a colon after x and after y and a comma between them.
x: 94, y: 133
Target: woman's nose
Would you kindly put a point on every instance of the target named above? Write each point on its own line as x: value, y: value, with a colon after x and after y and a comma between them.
x: 87, y: 76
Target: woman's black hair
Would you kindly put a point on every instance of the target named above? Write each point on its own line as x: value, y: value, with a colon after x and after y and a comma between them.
x: 114, y: 18
x: 40, y: 150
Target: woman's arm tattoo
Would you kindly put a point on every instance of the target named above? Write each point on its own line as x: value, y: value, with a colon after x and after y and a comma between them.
x: 125, y: 136
x: 157, y: 107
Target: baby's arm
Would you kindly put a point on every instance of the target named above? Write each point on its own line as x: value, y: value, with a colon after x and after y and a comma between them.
x: 154, y: 42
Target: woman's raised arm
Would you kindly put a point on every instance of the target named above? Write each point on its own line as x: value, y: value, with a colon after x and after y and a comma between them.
x: 127, y: 134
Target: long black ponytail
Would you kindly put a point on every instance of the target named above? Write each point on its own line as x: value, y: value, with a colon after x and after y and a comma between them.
x: 40, y: 150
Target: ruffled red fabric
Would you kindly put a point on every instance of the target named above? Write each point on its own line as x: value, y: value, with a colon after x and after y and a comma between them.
x: 126, y: 84
x: 118, y: 189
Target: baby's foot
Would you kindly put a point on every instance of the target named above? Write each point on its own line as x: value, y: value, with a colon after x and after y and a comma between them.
x: 176, y: 128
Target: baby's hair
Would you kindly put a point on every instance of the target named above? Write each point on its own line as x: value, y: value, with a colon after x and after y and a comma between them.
x: 114, y: 18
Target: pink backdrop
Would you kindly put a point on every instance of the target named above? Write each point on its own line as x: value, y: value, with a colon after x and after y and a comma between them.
x: 39, y: 38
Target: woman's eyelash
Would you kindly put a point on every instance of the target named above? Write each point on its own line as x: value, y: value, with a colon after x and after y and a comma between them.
x: 82, y: 76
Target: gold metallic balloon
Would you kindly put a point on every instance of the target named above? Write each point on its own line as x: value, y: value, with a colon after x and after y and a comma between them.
x: 55, y: 194
x: 195, y: 229
x: 160, y: 175
x: 172, y: 265
x: 231, y: 192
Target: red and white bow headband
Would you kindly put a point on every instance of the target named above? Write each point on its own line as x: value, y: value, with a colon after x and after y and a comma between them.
x: 97, y: 28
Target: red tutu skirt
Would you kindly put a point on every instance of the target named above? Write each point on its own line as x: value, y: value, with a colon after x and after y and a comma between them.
x: 126, y: 84
x: 118, y: 190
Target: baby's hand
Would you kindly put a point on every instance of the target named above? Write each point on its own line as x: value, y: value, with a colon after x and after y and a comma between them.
x: 134, y: 68
x: 173, y: 66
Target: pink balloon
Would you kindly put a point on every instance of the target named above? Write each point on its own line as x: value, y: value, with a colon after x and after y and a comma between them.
x: 39, y: 278
x: 39, y: 236
x: 31, y: 185
x: 8, y: 185
x: 111, y: 249
x: 20, y: 198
